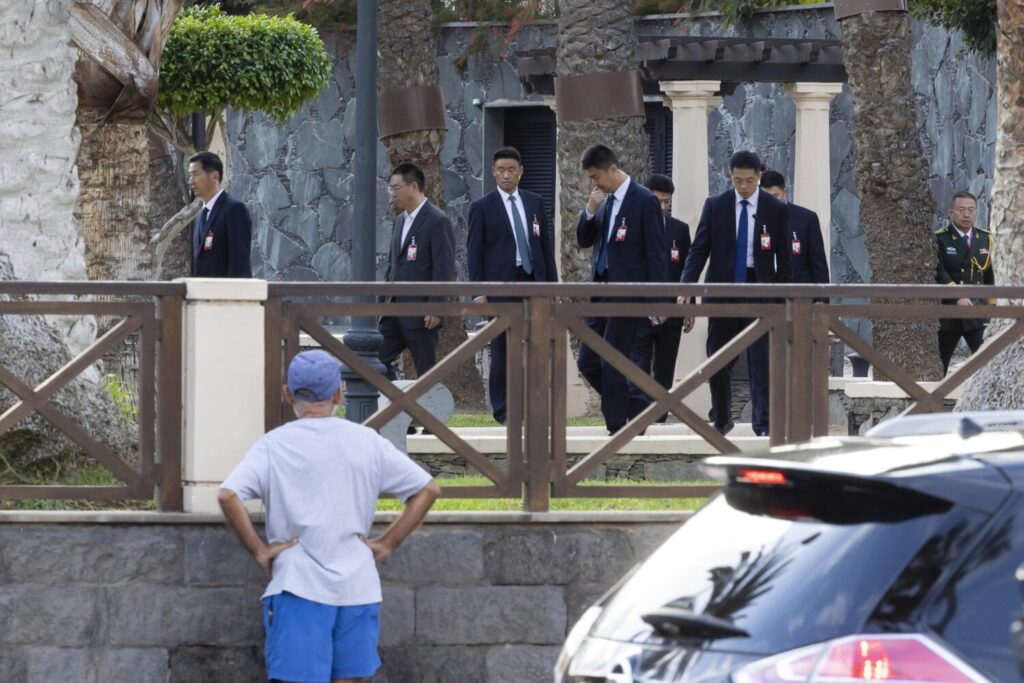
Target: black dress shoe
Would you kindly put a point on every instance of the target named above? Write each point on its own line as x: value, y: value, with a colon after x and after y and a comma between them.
x: 725, y: 429
x: 410, y: 430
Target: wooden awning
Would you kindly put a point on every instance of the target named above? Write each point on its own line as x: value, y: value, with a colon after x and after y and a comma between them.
x: 690, y: 58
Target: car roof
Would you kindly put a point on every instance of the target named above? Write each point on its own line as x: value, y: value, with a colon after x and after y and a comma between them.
x: 968, y: 471
x: 949, y: 423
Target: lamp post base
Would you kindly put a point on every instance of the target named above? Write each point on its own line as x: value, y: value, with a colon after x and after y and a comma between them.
x: 360, y: 396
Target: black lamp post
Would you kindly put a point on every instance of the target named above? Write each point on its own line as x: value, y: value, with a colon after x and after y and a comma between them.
x: 363, y: 337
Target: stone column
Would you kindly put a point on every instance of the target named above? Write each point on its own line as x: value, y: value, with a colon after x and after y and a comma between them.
x: 224, y: 382
x: 812, y: 177
x: 690, y: 102
x: 579, y: 396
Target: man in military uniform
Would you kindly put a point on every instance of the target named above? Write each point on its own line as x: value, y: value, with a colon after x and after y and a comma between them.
x: 964, y: 258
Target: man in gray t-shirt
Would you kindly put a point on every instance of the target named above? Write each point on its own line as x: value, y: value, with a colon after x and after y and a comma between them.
x: 319, y: 478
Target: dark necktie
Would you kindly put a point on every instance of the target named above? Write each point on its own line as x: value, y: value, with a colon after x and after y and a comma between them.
x: 740, y: 272
x: 602, y: 256
x: 520, y: 232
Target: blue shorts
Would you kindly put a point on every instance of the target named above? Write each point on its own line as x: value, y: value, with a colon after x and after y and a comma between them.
x: 309, y: 642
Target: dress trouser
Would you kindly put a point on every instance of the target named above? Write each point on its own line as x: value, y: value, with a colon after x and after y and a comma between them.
x: 497, y: 384
x: 720, y: 332
x: 948, y: 339
x: 655, y: 349
x: 609, y: 382
x: 421, y: 342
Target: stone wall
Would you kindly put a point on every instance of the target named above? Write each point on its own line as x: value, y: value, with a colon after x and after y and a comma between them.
x: 149, y: 597
x: 297, y: 182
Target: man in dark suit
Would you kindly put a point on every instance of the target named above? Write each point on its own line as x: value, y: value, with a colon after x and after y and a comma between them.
x: 806, y: 245
x: 657, y: 342
x: 222, y: 233
x: 510, y: 240
x: 422, y: 250
x: 743, y: 233
x: 623, y: 223
x: 964, y: 258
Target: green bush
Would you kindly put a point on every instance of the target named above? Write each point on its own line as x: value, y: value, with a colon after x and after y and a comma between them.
x: 976, y: 18
x: 256, y: 62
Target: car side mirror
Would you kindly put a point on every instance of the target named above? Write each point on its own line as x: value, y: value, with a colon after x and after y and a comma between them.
x: 1017, y: 627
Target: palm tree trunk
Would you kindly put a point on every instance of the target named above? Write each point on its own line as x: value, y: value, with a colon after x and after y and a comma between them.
x: 113, y: 202
x: 1000, y: 384
x: 594, y: 36
x: 407, y: 62
x: 891, y: 173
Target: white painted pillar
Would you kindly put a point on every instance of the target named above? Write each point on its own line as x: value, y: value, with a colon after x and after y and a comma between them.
x: 691, y: 102
x: 812, y: 176
x: 224, y: 382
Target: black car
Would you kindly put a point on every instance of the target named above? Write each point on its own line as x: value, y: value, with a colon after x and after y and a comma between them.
x: 839, y: 560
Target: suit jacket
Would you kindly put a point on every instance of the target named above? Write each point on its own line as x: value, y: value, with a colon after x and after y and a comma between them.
x: 228, y: 255
x: 677, y: 236
x: 642, y: 255
x: 491, y: 243
x: 810, y: 264
x: 716, y: 241
x: 432, y: 233
x: 958, y: 264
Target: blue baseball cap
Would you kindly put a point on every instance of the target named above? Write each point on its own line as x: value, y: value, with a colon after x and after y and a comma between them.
x: 314, y: 376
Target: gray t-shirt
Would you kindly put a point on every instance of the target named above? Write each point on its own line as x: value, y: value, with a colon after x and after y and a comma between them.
x: 319, y: 479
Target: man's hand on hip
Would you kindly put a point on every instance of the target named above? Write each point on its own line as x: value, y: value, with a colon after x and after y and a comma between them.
x: 265, y: 556
x: 381, y: 549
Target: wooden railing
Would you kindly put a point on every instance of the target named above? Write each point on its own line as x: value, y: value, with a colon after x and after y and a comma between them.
x: 798, y: 329
x: 151, y: 314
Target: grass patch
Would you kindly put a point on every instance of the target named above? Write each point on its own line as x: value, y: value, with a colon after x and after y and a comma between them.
x: 85, y: 476
x: 557, y: 504
x: 487, y: 420
x: 462, y: 420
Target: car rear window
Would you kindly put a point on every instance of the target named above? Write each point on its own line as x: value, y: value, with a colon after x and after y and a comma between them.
x: 789, y: 567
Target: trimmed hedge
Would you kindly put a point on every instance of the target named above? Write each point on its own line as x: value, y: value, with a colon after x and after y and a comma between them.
x: 256, y: 62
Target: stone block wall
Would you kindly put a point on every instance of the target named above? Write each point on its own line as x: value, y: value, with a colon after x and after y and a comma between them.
x: 165, y: 599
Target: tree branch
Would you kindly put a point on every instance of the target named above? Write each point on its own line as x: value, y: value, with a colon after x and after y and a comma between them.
x: 171, y: 229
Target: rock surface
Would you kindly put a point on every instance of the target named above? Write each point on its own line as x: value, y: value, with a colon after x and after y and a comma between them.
x: 34, y: 349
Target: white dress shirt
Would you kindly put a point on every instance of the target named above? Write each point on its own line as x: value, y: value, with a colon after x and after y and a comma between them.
x: 409, y: 218
x: 752, y: 232
x: 968, y: 236
x: 208, y: 206
x: 511, y: 220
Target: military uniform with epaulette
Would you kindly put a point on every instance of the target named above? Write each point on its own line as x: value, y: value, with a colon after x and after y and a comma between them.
x: 963, y: 259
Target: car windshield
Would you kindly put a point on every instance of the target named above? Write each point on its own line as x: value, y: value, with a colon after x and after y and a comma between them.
x: 781, y: 573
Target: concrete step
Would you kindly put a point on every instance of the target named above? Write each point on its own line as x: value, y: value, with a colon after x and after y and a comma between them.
x: 661, y: 439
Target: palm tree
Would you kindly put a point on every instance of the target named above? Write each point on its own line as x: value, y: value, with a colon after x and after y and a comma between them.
x: 891, y: 174
x: 406, y: 62
x: 594, y: 36
x: 1000, y: 384
x: 117, y: 76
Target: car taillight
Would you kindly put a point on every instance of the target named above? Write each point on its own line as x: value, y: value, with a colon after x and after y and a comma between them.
x: 902, y: 658
x: 762, y: 477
